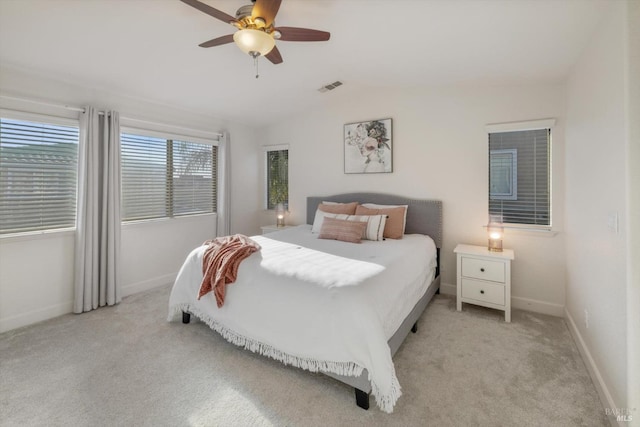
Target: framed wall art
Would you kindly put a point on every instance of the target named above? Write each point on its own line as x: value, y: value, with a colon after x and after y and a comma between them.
x: 368, y: 147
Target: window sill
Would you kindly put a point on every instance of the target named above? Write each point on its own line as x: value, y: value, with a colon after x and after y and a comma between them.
x: 152, y: 221
x: 524, y: 230
x: 530, y: 231
x: 37, y: 235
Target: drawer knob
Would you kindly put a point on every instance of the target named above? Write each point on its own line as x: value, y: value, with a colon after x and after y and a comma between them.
x: 482, y: 269
x: 481, y: 291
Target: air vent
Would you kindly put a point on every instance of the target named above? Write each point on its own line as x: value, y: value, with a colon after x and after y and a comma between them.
x: 330, y: 86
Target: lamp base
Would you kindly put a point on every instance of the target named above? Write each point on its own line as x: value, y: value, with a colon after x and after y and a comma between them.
x: 495, y: 245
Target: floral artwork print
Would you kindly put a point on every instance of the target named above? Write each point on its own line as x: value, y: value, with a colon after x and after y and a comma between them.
x: 367, y: 147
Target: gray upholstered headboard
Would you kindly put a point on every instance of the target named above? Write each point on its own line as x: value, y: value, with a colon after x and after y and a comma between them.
x: 424, y: 216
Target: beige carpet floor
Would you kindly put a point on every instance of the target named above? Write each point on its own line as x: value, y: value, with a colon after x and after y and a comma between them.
x: 126, y: 366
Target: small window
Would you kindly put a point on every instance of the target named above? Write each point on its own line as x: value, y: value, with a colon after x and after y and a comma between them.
x: 165, y: 177
x: 520, y: 175
x: 277, y: 176
x: 504, y: 174
x: 38, y: 175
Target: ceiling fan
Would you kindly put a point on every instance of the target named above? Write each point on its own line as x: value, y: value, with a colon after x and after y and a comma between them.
x: 257, y: 33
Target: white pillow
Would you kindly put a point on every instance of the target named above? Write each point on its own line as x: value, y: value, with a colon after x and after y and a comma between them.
x: 375, y: 223
x: 317, y: 220
x: 375, y: 206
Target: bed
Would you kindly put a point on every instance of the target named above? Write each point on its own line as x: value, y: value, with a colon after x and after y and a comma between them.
x: 342, y: 309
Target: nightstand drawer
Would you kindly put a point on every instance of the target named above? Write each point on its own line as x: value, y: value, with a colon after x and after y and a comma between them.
x: 483, y: 291
x: 483, y: 269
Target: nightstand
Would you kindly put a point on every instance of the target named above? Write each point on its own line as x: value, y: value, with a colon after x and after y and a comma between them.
x: 271, y: 228
x: 484, y: 278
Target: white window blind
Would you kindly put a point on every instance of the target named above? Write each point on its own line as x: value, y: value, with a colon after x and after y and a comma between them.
x: 165, y: 177
x: 194, y: 178
x: 144, y: 172
x: 520, y: 176
x: 38, y: 175
x: 277, y: 167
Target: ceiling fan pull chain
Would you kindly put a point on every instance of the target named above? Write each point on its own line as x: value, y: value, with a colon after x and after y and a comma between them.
x: 255, y: 62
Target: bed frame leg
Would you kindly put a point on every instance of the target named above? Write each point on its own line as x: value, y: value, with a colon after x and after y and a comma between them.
x: 362, y: 399
x: 414, y: 328
x: 186, y: 317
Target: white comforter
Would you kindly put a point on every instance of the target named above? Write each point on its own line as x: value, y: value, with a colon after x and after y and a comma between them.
x: 321, y: 305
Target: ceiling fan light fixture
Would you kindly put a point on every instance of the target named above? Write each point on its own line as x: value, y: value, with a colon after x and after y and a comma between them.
x: 250, y: 40
x: 257, y: 33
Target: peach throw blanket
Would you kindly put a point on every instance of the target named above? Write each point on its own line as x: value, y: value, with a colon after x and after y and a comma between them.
x: 220, y: 263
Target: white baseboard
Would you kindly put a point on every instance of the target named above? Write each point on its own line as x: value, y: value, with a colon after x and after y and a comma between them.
x: 537, y: 306
x: 520, y: 303
x: 147, y: 285
x: 35, y: 316
x: 448, y: 289
x: 594, y: 372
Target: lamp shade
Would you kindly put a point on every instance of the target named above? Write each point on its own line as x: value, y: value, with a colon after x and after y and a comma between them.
x: 280, y: 212
x: 249, y: 40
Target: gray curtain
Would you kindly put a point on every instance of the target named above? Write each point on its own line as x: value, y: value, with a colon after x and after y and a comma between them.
x: 224, y: 186
x: 97, y: 251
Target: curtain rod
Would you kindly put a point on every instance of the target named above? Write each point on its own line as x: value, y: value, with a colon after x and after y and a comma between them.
x: 81, y: 110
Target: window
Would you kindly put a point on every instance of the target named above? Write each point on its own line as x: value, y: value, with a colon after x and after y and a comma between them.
x: 166, y: 177
x: 520, y: 173
x: 38, y: 175
x: 503, y: 165
x: 277, y: 176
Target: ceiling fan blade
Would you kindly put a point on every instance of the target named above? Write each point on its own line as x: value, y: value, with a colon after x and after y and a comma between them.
x: 293, y: 34
x: 266, y: 9
x: 210, y: 11
x: 218, y: 41
x: 274, y: 56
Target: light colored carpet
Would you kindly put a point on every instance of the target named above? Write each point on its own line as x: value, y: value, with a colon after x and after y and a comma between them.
x: 126, y: 366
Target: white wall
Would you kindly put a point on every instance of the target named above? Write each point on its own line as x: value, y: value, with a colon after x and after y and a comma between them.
x: 633, y: 193
x: 596, y: 190
x: 439, y: 151
x: 36, y: 272
x: 36, y: 278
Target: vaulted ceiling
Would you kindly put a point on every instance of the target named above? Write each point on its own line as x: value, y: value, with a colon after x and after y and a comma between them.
x: 148, y: 49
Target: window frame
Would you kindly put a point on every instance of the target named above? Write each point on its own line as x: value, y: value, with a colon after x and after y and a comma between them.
x: 530, y: 125
x: 54, y: 120
x: 266, y: 149
x: 169, y: 195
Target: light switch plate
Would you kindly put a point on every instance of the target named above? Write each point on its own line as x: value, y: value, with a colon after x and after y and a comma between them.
x: 612, y: 222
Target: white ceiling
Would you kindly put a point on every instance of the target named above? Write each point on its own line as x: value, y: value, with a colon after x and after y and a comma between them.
x: 149, y: 48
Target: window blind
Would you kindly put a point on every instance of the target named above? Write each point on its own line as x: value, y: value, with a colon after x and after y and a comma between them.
x: 520, y: 188
x: 277, y: 177
x: 165, y: 178
x: 194, y: 173
x: 38, y: 176
x: 144, y: 177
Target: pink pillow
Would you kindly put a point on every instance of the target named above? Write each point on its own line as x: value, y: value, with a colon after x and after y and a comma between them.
x: 343, y: 230
x: 394, y: 228
x: 339, y: 208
